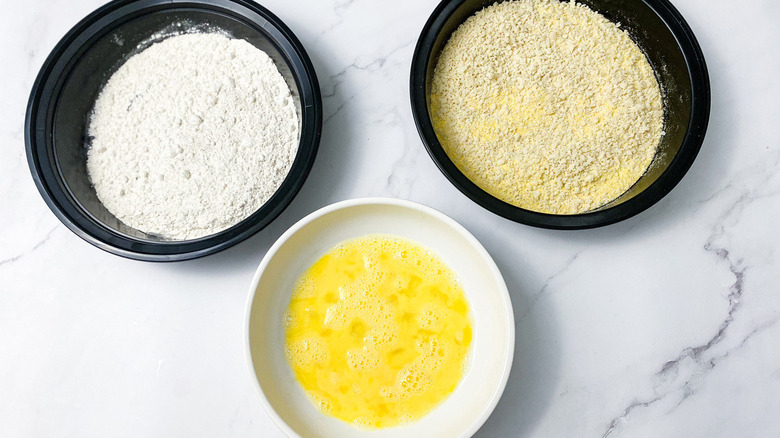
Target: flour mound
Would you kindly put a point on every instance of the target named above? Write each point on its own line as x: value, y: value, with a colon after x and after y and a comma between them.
x: 191, y: 136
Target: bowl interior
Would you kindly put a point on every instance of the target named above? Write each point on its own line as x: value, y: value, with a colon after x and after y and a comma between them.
x: 102, y: 54
x: 646, y: 22
x: 493, y: 343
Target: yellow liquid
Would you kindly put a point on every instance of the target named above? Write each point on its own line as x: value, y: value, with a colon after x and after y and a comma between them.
x: 378, y: 331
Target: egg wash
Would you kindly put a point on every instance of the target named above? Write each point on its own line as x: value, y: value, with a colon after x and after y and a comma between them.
x: 378, y: 332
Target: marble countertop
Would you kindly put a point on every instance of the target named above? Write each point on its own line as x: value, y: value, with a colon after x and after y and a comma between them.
x: 663, y: 325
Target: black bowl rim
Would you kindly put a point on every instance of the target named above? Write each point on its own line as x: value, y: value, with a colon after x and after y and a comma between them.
x: 681, y: 163
x: 45, y: 93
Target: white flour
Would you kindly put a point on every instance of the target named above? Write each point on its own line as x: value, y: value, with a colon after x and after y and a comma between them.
x: 191, y: 136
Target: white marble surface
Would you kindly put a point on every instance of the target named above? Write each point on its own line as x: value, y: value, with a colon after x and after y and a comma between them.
x: 663, y: 325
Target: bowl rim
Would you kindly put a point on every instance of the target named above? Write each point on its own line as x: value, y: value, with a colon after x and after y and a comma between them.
x: 679, y: 166
x: 350, y: 203
x: 45, y: 95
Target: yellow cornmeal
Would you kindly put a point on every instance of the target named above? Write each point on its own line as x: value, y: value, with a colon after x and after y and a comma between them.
x: 378, y: 331
x: 546, y: 105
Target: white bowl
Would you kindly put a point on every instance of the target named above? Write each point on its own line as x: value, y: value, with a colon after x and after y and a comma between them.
x: 467, y: 408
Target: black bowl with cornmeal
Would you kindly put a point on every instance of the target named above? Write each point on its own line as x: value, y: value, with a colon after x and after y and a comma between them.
x: 73, y: 75
x: 676, y: 58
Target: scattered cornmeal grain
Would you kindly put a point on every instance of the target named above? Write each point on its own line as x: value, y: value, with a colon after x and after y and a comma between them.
x: 546, y: 105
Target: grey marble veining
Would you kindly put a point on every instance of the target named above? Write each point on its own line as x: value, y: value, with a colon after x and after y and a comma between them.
x: 662, y: 325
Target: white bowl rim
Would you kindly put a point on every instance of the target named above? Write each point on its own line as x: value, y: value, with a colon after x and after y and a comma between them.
x: 504, y: 292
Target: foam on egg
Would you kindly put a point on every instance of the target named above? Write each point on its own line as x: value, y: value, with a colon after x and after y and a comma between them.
x: 307, y: 352
x: 378, y: 332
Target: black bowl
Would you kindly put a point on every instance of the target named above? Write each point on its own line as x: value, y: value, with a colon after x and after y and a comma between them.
x: 667, y: 41
x: 73, y: 75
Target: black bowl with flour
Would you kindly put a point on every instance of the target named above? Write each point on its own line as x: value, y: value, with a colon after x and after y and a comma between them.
x: 73, y: 75
x: 676, y: 58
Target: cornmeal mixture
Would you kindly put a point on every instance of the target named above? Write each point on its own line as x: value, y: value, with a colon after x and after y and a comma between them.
x: 378, y: 331
x: 546, y: 105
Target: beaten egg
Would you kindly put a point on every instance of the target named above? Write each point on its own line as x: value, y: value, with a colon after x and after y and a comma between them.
x: 378, y: 332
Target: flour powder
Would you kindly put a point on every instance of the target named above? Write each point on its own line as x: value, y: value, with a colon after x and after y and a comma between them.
x: 191, y: 135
